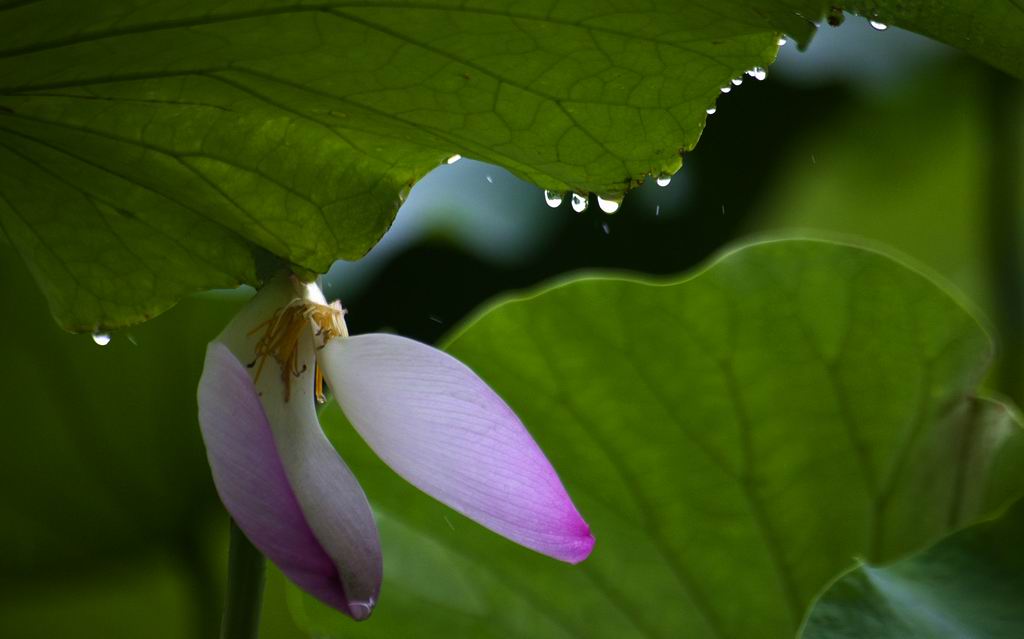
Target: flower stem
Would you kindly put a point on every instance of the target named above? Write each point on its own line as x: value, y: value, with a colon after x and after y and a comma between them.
x: 246, y: 575
x: 1006, y: 226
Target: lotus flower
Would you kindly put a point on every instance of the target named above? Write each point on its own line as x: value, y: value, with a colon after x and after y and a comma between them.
x: 427, y: 415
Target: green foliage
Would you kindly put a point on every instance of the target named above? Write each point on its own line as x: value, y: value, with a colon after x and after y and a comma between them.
x: 101, y: 451
x: 151, y: 150
x: 988, y: 29
x: 970, y: 585
x: 734, y: 439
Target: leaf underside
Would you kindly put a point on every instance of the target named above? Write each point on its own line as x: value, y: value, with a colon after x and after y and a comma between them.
x: 153, y: 149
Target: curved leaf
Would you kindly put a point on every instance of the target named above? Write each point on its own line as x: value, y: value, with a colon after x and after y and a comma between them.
x: 970, y: 585
x: 734, y: 439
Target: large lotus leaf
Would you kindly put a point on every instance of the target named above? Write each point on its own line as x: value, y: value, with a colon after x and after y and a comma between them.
x: 735, y: 440
x: 152, y: 149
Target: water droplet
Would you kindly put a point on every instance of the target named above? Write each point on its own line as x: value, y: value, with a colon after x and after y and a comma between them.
x: 710, y: 111
x: 580, y: 202
x: 552, y: 199
x: 657, y: 210
x: 726, y: 89
x: 782, y: 42
x: 663, y: 180
x: 101, y: 339
x: 608, y: 206
x: 758, y: 73
x: 607, y: 231
x: 490, y: 179
x: 878, y: 26
x: 736, y: 81
x: 453, y: 159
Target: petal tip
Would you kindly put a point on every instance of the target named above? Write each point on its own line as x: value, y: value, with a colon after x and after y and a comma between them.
x: 580, y: 548
x: 361, y: 610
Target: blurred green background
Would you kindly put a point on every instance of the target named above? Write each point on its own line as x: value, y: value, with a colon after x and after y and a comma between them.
x: 110, y: 524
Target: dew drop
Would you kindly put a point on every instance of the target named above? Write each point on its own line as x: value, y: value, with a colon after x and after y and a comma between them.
x: 736, y: 81
x: 453, y: 159
x: 101, y: 339
x: 663, y: 180
x: 878, y: 26
x: 608, y: 206
x: 579, y: 202
x: 710, y: 111
x: 727, y: 88
x: 554, y: 200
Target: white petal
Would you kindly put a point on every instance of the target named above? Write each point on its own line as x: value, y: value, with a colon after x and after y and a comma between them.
x: 438, y: 425
x: 331, y: 499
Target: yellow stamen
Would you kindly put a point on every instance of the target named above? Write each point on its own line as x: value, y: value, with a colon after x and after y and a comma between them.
x: 284, y: 329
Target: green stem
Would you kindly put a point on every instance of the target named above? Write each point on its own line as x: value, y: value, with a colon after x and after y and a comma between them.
x: 246, y: 575
x: 1005, y: 207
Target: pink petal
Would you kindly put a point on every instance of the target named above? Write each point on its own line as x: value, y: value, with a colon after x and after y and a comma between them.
x: 263, y: 449
x: 439, y: 426
x: 251, y: 480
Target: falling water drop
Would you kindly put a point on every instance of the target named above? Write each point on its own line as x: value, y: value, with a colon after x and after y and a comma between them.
x: 101, y: 339
x: 736, y: 81
x: 608, y: 206
x: 663, y: 180
x: 878, y: 26
x: 453, y: 159
x: 579, y: 202
x: 606, y: 228
x: 552, y: 199
x: 727, y: 88
x: 489, y: 179
x: 710, y: 111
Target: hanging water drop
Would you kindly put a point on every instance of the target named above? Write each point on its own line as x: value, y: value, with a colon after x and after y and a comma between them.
x: 101, y: 339
x: 552, y: 199
x: 736, y: 81
x: 782, y: 42
x: 710, y: 111
x: 727, y: 88
x: 579, y: 202
x: 878, y: 26
x: 758, y: 73
x: 608, y: 206
x: 453, y: 159
x: 663, y: 180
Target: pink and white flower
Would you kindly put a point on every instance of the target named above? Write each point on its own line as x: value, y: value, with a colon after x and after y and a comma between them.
x: 427, y: 415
